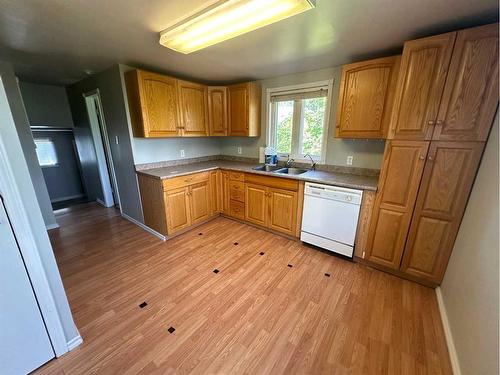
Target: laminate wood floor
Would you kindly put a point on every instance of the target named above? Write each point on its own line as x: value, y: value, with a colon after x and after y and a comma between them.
x: 275, y: 306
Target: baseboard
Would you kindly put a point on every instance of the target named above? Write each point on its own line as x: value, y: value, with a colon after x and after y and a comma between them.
x: 101, y: 202
x: 62, y: 199
x: 145, y: 227
x: 74, y: 342
x: 455, y: 365
x: 52, y: 226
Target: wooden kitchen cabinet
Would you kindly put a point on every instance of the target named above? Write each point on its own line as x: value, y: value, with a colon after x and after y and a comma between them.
x: 225, y: 192
x: 421, y: 80
x: 200, y: 202
x: 193, y: 109
x: 400, y: 177
x: 244, y: 102
x: 446, y: 184
x: 282, y: 210
x: 256, y: 211
x: 217, y: 110
x: 366, y: 98
x: 153, y: 104
x: 177, y: 208
x: 470, y: 96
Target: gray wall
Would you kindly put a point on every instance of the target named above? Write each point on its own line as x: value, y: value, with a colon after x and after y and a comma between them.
x: 29, y: 151
x: 63, y: 181
x: 11, y: 139
x: 366, y: 153
x: 470, y: 286
x: 46, y: 105
x: 110, y: 87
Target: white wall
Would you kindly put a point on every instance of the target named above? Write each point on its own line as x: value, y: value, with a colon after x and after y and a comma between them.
x: 11, y: 139
x: 470, y: 287
x: 46, y: 105
x: 366, y: 153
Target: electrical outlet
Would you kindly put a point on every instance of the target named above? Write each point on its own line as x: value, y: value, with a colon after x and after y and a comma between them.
x: 349, y: 160
x: 239, y: 150
x: 183, y: 154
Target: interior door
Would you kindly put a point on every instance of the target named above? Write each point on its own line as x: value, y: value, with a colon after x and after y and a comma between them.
x: 238, y: 109
x: 398, y: 187
x: 470, y: 96
x: 256, y: 204
x: 159, y: 104
x: 217, y: 110
x: 283, y: 210
x: 421, y: 80
x: 177, y: 207
x: 199, y: 197
x: 446, y: 183
x: 193, y: 109
x: 24, y: 341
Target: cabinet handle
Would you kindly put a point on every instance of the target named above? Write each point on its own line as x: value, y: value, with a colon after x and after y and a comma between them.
x: 430, y: 158
x: 430, y: 122
x: 422, y: 157
x: 439, y: 122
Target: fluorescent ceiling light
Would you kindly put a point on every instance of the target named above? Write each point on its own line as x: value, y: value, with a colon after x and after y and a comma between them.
x: 226, y: 19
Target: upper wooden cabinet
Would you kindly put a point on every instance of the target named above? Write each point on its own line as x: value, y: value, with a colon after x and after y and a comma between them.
x: 366, y: 98
x: 153, y: 104
x: 470, y: 96
x: 193, y: 109
x: 217, y: 110
x: 244, y: 109
x: 421, y: 81
x: 446, y: 183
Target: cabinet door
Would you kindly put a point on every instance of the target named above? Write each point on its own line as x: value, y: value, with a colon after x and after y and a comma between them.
x: 200, y: 202
x: 399, y: 181
x: 470, y: 96
x: 366, y: 98
x: 225, y: 192
x: 214, y: 193
x: 159, y: 105
x: 217, y: 110
x: 282, y: 211
x: 238, y: 96
x: 256, y: 204
x: 177, y: 207
x: 421, y: 80
x: 193, y: 109
x: 448, y: 177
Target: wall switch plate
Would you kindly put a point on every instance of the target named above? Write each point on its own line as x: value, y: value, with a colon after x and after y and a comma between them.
x: 183, y: 154
x: 239, y: 150
x: 349, y: 160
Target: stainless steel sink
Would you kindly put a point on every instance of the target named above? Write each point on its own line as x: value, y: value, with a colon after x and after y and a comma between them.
x: 266, y: 168
x: 291, y: 170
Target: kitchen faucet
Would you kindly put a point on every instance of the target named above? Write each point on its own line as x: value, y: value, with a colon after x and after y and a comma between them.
x: 313, y: 163
x: 289, y: 162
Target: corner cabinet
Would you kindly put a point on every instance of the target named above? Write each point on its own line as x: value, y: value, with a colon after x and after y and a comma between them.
x: 366, y: 98
x: 244, y: 101
x: 217, y: 110
x: 153, y: 104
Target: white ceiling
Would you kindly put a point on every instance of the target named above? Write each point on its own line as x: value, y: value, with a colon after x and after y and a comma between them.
x: 56, y: 41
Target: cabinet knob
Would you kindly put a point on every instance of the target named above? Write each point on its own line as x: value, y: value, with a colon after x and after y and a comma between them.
x: 421, y: 157
x: 439, y: 122
x: 430, y: 122
x: 430, y: 158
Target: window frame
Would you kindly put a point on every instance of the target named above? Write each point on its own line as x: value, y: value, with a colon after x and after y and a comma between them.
x: 48, y: 140
x: 297, y: 131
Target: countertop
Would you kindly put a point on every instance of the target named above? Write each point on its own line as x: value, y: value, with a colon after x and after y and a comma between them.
x: 330, y: 178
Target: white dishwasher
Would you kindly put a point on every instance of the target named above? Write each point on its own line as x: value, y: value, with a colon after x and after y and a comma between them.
x: 330, y: 217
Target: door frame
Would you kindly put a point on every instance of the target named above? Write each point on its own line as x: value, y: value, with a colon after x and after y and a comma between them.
x: 13, y: 202
x: 100, y: 138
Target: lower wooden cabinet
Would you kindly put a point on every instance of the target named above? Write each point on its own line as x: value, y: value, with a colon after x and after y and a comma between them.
x: 200, y: 202
x: 177, y: 208
x: 256, y: 210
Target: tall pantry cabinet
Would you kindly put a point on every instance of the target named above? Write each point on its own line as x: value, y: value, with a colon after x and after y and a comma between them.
x: 446, y: 99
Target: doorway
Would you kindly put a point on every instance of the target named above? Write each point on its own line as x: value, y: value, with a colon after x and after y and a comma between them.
x: 102, y: 148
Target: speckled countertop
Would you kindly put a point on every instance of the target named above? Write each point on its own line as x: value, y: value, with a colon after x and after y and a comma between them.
x: 330, y: 178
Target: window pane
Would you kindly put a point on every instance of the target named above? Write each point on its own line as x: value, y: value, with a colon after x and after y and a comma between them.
x: 314, y: 117
x: 284, y: 126
x: 46, y: 152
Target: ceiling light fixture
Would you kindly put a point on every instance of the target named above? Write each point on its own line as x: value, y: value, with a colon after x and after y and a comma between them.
x: 226, y: 19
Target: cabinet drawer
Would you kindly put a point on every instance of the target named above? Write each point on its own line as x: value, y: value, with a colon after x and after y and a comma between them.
x: 237, y: 191
x: 237, y: 209
x: 181, y: 181
x: 276, y: 182
x: 237, y: 176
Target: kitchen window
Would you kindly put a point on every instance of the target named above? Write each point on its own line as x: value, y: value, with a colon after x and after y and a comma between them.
x: 298, y: 120
x: 46, y: 152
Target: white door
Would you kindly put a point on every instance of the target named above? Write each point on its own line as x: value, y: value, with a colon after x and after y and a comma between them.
x: 24, y: 342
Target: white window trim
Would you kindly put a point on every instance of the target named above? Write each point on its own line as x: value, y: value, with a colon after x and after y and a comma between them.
x: 305, y: 87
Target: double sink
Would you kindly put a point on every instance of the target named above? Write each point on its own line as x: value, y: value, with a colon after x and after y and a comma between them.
x: 276, y: 169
